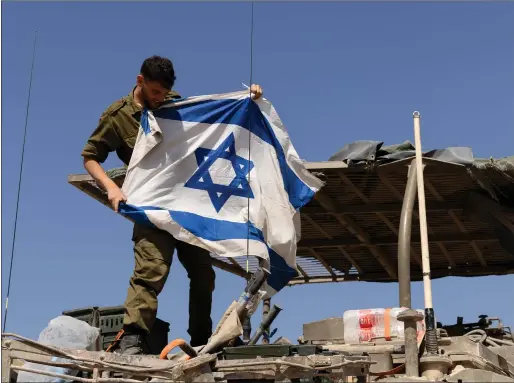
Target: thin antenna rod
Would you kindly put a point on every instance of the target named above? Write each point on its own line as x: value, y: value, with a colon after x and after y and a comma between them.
x: 251, y: 49
x: 249, y: 141
x: 19, y: 182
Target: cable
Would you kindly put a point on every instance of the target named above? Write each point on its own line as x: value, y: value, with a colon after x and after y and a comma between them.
x: 249, y: 140
x: 19, y: 183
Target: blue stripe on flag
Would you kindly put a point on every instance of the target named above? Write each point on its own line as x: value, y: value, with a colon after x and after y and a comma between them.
x: 144, y: 122
x: 299, y: 193
x: 137, y: 213
x: 281, y: 272
x: 217, y: 230
x: 230, y: 111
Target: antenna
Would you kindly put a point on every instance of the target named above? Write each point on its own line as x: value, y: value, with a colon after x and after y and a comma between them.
x: 19, y: 182
x: 249, y: 141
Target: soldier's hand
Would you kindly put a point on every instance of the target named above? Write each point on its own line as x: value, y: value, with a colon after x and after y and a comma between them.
x: 115, y: 196
x: 256, y: 90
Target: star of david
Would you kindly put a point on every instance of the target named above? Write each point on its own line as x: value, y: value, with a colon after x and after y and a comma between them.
x: 202, y: 180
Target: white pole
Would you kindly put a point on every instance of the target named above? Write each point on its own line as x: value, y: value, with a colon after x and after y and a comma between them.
x: 425, y: 256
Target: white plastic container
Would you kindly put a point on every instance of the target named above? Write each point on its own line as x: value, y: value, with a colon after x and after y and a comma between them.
x: 376, y: 325
x: 65, y: 332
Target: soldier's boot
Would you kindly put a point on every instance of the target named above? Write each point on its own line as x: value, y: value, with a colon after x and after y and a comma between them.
x: 133, y: 344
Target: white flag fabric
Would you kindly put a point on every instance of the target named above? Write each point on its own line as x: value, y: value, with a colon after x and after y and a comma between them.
x: 220, y: 172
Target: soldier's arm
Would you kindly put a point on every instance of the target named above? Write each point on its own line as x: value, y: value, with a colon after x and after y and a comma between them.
x: 104, y: 140
x: 114, y: 193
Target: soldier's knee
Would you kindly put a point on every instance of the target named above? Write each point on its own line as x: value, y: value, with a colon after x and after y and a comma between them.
x: 152, y: 273
x: 198, y: 264
x: 210, y: 279
x: 203, y: 278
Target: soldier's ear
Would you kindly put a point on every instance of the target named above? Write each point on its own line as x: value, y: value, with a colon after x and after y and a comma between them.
x: 140, y: 79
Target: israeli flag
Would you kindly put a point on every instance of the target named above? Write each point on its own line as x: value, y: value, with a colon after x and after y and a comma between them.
x: 220, y: 172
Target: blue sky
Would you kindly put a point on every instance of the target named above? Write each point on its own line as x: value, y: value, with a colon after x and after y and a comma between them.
x: 336, y: 72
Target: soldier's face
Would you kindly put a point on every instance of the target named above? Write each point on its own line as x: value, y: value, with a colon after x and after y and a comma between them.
x: 153, y: 93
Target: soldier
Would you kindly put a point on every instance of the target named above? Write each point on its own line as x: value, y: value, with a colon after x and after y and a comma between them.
x: 153, y: 249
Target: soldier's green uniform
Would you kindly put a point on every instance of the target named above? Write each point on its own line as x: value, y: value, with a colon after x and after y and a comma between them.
x: 153, y: 249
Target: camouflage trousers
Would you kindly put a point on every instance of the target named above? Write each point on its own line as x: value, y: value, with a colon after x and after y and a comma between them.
x: 153, y: 250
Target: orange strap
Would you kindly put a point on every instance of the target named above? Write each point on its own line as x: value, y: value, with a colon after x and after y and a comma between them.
x: 395, y: 370
x: 387, y: 324
x: 190, y: 352
x: 116, y: 340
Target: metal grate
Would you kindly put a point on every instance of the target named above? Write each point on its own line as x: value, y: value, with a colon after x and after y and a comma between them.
x: 350, y: 228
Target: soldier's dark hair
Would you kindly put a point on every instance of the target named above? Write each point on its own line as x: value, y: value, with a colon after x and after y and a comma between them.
x: 160, y: 69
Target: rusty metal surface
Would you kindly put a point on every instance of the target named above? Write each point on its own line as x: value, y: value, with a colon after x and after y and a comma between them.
x: 342, y: 368
x: 198, y: 369
x: 350, y: 229
x: 16, y: 348
x: 464, y: 351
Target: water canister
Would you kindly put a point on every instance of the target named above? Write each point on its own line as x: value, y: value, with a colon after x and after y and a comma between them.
x: 375, y: 325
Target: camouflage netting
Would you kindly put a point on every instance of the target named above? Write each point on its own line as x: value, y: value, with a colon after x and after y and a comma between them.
x: 496, y: 176
x: 117, y: 173
x: 463, y: 241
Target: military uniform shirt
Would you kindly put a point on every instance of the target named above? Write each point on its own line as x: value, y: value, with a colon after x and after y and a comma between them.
x: 117, y: 130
